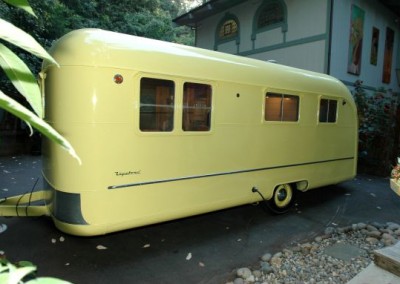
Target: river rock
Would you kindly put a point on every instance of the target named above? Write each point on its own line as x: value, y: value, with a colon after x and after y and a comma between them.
x: 276, y: 261
x: 257, y: 274
x: 375, y: 234
x: 243, y: 272
x: 308, y: 262
x: 361, y: 226
x: 393, y: 226
x: 266, y: 257
x: 372, y: 240
x: 238, y: 281
x: 266, y: 267
x: 329, y: 231
x: 372, y: 228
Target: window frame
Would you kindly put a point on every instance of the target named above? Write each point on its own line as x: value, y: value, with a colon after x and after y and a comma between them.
x: 184, y: 111
x: 178, y: 105
x: 218, y: 40
x: 173, y: 104
x: 282, y: 95
x: 327, y: 113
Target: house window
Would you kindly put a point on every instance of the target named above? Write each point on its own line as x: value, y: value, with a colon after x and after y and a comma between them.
x: 272, y: 13
x: 327, y: 110
x: 196, y: 107
x: 156, y: 105
x: 281, y: 107
x: 228, y: 29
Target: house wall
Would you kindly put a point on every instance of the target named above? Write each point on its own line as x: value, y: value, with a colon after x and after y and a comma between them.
x: 378, y: 16
x: 302, y: 43
x: 307, y: 41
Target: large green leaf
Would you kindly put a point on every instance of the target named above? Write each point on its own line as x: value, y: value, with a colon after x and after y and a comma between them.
x: 21, y: 112
x: 47, y: 280
x: 3, y: 267
x: 23, y: 4
x: 18, y: 37
x: 17, y: 274
x: 22, y: 78
x: 4, y: 277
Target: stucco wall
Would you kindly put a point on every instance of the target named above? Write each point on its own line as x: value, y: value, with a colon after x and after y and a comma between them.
x: 306, y: 43
x: 307, y: 55
x: 301, y: 43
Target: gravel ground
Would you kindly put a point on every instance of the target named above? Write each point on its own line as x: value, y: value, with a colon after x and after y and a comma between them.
x: 334, y: 257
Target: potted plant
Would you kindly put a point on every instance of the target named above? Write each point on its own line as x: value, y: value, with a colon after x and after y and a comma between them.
x: 395, y: 178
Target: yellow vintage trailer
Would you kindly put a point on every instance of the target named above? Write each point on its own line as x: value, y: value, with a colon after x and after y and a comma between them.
x: 166, y: 131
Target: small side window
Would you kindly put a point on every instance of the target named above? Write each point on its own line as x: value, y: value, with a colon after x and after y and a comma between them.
x: 196, y: 107
x: 281, y: 107
x: 156, y: 105
x: 327, y: 110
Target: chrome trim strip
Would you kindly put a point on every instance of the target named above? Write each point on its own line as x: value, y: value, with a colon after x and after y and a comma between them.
x: 224, y: 173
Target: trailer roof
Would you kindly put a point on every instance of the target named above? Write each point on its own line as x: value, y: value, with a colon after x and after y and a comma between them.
x: 100, y: 48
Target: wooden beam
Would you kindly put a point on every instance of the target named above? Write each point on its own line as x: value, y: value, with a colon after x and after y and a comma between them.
x: 389, y: 258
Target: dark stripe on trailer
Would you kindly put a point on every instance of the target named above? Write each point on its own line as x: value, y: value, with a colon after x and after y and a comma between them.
x: 65, y: 206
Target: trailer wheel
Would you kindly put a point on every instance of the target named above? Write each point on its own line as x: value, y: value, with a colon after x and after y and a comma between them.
x: 282, y: 199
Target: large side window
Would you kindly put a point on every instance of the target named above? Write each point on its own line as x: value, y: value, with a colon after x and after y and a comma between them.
x: 156, y: 105
x: 327, y: 110
x: 196, y: 107
x: 281, y: 107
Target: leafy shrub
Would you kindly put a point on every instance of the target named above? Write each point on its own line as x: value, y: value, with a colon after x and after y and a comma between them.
x: 377, y: 125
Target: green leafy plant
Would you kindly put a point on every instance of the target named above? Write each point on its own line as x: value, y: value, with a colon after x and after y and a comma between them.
x: 395, y: 174
x: 376, y: 115
x: 23, y: 79
x: 24, y: 273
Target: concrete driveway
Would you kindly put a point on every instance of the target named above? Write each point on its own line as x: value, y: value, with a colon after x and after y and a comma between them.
x: 201, y: 249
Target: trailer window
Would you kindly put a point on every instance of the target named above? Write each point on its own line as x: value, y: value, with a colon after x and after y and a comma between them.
x: 156, y: 105
x: 196, y: 107
x: 327, y: 110
x: 281, y: 107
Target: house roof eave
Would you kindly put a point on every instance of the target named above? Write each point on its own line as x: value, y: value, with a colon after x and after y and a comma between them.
x: 206, y: 10
x: 393, y: 5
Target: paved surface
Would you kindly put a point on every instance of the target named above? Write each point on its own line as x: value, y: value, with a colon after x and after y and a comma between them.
x: 218, y: 242
x: 344, y: 251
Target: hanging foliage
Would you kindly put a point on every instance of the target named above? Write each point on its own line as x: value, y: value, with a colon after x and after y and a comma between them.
x: 23, y: 80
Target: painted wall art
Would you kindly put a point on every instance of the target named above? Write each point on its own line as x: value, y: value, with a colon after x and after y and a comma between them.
x: 356, y: 40
x: 388, y: 56
x: 374, y: 46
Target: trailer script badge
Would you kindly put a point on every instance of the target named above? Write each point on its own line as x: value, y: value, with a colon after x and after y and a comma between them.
x: 122, y: 174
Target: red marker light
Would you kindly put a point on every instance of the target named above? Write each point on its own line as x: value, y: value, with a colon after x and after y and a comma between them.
x: 118, y: 79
